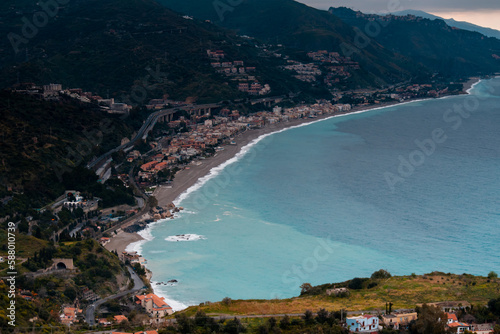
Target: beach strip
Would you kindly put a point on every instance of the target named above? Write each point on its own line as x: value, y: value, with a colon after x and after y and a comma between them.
x: 186, y: 178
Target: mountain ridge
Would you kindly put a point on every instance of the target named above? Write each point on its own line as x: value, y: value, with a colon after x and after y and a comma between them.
x: 489, y: 32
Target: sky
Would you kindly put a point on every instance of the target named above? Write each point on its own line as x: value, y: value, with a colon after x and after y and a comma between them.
x: 485, y: 13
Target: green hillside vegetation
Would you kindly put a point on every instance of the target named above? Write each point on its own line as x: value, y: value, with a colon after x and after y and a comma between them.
x: 42, y: 142
x: 97, y: 269
x: 298, y: 26
x: 369, y: 294
x: 432, y: 43
x: 134, y: 50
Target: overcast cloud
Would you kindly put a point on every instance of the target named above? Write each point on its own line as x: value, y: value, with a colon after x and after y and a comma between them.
x: 380, y: 6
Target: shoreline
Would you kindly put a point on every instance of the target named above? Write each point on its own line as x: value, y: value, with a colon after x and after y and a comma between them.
x: 187, y: 178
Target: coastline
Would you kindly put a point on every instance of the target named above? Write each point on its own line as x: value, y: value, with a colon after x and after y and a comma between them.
x: 187, y: 178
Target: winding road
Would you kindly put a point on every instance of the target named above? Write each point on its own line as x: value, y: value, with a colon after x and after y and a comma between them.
x: 90, y: 311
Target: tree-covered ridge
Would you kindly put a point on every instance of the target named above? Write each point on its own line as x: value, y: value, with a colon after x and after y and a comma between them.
x: 41, y: 141
x: 133, y: 50
x: 432, y: 43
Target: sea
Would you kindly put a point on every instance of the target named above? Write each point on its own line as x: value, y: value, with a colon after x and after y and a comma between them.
x: 410, y: 188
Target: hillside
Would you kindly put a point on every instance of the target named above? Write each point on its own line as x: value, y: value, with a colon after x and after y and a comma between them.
x: 296, y: 25
x: 433, y: 43
x: 370, y: 294
x: 133, y: 50
x: 97, y: 269
x: 42, y: 140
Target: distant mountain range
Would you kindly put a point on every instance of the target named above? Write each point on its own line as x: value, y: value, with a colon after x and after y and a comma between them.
x: 432, y: 43
x: 412, y: 45
x: 452, y: 23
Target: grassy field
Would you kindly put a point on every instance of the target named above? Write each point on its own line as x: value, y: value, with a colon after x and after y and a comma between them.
x: 26, y: 246
x: 402, y: 291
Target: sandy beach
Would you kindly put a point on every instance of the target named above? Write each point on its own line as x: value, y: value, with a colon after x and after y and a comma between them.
x: 186, y: 178
x: 120, y: 241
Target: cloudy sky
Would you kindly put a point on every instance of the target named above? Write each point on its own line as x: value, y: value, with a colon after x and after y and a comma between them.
x: 485, y: 13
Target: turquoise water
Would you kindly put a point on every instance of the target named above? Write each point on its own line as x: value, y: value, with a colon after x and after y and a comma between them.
x: 408, y: 188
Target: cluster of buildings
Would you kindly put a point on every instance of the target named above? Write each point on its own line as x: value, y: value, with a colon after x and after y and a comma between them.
x: 69, y: 315
x: 133, y: 258
x: 55, y: 92
x: 240, y: 73
x: 184, y: 146
x: 74, y: 199
x: 232, y: 67
x: 304, y: 72
x: 417, y: 90
x: 254, y: 88
x: 337, y: 67
x: 401, y: 320
x: 155, y: 306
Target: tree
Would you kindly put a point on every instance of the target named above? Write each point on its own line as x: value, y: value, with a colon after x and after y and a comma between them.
x: 431, y: 320
x: 381, y: 274
x: 322, y: 316
x: 308, y: 317
x: 494, y: 306
x: 234, y: 326
x: 285, y: 322
x: 200, y: 319
x: 492, y: 275
x: 305, y: 288
x: 357, y: 283
x: 186, y: 325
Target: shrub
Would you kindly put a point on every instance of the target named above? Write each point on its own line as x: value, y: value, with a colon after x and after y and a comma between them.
x: 357, y: 283
x: 381, y: 274
x: 492, y: 275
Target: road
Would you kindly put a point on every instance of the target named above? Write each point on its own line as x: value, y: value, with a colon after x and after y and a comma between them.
x: 150, y: 122
x: 144, y: 209
x: 142, y: 133
x: 90, y: 311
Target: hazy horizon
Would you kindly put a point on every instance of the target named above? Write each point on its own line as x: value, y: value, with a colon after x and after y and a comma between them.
x: 483, y: 13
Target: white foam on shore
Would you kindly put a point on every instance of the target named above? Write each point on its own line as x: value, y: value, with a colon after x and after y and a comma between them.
x: 174, y: 304
x: 185, y: 237
x: 146, y: 234
x: 469, y: 91
x: 245, y: 149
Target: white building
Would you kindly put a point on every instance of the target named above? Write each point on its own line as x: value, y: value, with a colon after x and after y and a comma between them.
x: 362, y: 323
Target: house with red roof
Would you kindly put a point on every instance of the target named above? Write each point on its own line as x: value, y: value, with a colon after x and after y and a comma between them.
x: 154, y: 305
x: 104, y: 322
x: 460, y: 326
x: 69, y: 314
x: 120, y: 318
x: 451, y: 318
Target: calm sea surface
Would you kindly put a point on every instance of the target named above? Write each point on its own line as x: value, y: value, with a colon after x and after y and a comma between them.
x: 412, y: 188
